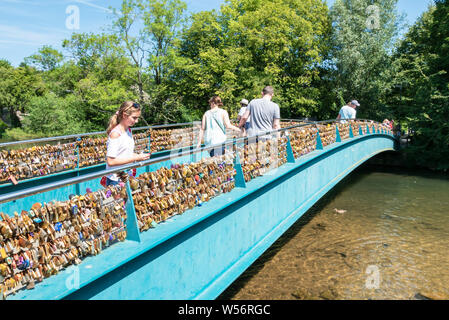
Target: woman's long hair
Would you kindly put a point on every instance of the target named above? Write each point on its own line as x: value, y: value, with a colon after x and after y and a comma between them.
x: 216, y: 100
x: 127, y: 107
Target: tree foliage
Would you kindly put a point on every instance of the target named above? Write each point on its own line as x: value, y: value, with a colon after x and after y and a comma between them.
x: 171, y: 63
x: 420, y: 92
x: 363, y: 36
x: 251, y: 43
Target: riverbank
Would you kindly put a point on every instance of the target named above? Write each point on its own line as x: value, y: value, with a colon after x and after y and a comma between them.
x: 400, y: 160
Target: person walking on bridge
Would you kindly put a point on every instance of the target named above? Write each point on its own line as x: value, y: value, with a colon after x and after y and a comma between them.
x: 213, y: 126
x: 120, y: 144
x: 265, y: 114
x: 244, y: 107
x: 348, y: 111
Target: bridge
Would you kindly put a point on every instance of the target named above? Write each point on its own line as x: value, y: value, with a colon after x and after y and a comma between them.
x: 220, y: 233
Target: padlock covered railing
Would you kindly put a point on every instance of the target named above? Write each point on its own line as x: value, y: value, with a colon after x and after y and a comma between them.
x: 41, y: 241
x: 88, y: 150
x: 84, y: 151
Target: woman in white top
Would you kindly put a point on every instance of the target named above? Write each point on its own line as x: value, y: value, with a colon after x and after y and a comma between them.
x: 213, y: 126
x: 120, y: 145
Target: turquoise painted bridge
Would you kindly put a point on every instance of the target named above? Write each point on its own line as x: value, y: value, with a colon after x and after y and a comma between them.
x: 198, y: 254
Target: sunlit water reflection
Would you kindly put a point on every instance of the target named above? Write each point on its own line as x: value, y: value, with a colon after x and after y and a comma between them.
x: 391, y: 243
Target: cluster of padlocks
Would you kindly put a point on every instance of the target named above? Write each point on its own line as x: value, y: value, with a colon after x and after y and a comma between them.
x: 327, y: 133
x: 92, y: 151
x: 259, y: 157
x: 355, y: 128
x: 38, y: 243
x: 303, y: 140
x: 141, y: 142
x: 37, y: 161
x: 166, y: 139
x: 343, y: 130
x: 170, y: 191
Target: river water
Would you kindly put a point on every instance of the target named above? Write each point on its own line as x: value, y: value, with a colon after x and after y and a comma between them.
x: 377, y: 235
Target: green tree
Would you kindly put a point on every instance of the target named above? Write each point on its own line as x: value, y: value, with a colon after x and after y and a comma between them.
x: 45, y: 59
x: 363, y: 36
x: 17, y: 87
x: 252, y: 43
x: 99, y: 76
x: 50, y: 115
x: 420, y: 91
x: 148, y: 30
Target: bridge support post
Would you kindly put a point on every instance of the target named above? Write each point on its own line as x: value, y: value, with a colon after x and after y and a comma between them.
x: 132, y: 229
x: 319, y: 143
x: 192, y: 155
x: 147, y: 168
x: 360, y: 130
x: 367, y: 129
x: 290, y: 155
x: 77, y: 186
x: 351, y: 133
x: 239, y: 177
x: 337, y: 134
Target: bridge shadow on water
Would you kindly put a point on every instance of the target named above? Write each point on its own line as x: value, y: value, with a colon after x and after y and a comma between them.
x: 257, y: 266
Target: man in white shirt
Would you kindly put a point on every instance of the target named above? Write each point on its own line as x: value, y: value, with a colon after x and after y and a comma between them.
x: 244, y: 106
x: 348, y: 111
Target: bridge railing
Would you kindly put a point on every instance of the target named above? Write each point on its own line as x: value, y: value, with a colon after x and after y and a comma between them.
x: 38, y: 159
x: 57, y: 234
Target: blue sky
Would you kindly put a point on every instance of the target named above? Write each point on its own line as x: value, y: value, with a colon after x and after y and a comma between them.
x: 27, y: 25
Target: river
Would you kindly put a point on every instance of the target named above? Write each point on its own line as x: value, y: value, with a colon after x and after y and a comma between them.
x: 377, y: 235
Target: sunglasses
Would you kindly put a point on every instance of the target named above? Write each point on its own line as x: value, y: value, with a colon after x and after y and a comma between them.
x: 136, y: 105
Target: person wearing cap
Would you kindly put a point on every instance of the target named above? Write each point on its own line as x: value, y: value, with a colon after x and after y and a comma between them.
x: 348, y: 111
x: 244, y: 105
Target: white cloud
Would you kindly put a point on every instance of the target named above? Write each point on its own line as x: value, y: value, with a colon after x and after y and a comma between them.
x: 91, y: 4
x: 12, y: 34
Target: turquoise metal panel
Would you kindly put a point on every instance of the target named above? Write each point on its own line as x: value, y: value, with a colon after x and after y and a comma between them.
x: 319, y: 143
x: 290, y: 155
x: 132, y: 229
x: 337, y: 134
x: 198, y: 254
x: 239, y: 178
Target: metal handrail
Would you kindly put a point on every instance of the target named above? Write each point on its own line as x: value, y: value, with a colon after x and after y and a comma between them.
x: 12, y: 143
x: 63, y: 183
x: 340, y: 120
x: 67, y: 137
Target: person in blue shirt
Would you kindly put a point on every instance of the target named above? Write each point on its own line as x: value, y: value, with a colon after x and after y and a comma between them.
x: 348, y: 111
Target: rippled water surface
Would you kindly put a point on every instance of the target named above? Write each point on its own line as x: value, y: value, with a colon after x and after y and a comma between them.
x: 388, y: 240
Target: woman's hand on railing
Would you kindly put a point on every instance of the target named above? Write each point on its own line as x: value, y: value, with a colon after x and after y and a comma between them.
x: 141, y: 156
